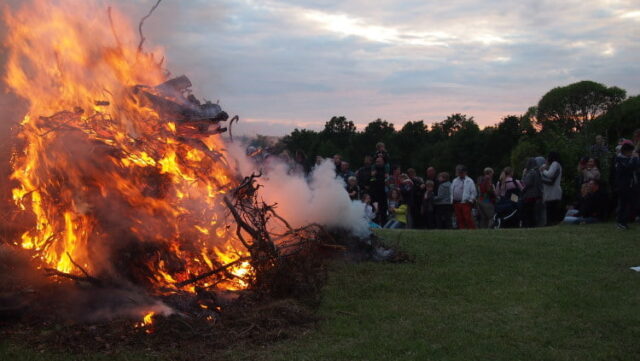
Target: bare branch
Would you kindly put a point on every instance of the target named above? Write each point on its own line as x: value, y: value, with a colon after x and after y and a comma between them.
x: 142, y: 38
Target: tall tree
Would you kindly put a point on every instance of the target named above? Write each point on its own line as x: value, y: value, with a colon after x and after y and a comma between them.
x: 339, y: 126
x: 340, y: 133
x: 379, y: 130
x: 567, y: 109
x: 619, y: 122
x: 304, y: 140
x: 453, y: 124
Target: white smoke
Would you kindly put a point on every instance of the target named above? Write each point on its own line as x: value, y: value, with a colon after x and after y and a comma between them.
x: 319, y: 198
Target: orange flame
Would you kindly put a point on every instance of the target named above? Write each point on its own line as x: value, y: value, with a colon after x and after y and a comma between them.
x: 99, y: 177
x: 148, y: 319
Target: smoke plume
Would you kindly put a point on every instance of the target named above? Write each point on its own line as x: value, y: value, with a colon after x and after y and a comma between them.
x: 318, y: 198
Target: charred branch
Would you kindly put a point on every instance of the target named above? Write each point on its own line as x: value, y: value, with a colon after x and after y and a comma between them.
x: 210, y: 273
x: 85, y: 279
x: 142, y: 38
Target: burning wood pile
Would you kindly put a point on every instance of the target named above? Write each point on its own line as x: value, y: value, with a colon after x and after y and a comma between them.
x: 125, y: 194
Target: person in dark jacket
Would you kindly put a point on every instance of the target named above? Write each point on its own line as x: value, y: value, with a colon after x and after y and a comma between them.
x: 427, y: 205
x: 626, y: 166
x: 345, y: 172
x: 378, y: 185
x: 442, y: 202
x: 418, y: 195
x: 381, y: 151
x: 591, y: 207
x: 531, y: 194
x: 337, y: 161
x: 364, y: 175
x: 434, y: 177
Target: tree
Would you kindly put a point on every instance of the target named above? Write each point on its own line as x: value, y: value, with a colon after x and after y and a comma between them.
x: 411, y: 143
x: 619, y: 122
x: 379, y: 130
x: 301, y: 140
x: 453, y: 124
x: 339, y: 126
x: 340, y: 132
x: 568, y: 109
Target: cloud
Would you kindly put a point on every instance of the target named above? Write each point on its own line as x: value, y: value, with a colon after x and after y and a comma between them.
x: 284, y: 63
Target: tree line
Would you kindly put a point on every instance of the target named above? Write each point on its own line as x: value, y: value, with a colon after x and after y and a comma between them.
x: 566, y: 120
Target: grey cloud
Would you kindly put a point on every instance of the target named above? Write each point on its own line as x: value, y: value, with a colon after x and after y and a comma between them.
x: 265, y: 61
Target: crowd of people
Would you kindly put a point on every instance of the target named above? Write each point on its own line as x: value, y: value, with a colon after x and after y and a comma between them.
x: 394, y: 198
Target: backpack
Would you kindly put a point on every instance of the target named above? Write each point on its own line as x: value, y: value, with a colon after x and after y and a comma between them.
x: 517, y: 191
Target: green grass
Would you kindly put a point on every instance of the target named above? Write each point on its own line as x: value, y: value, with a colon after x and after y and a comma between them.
x: 563, y: 293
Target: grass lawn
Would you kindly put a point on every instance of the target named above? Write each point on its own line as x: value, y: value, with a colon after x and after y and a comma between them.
x: 562, y: 293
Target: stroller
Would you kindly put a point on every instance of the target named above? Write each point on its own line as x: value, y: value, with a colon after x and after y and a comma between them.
x: 507, y: 214
x: 507, y: 210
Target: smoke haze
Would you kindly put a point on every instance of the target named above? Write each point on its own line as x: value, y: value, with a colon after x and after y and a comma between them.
x: 319, y: 198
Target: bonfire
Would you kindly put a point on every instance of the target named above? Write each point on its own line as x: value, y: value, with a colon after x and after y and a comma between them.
x: 124, y: 190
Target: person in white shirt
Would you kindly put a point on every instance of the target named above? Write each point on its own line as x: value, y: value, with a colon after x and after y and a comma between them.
x: 463, y: 196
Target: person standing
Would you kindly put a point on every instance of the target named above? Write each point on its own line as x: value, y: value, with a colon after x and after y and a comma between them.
x: 486, y: 198
x: 599, y: 149
x: 337, y: 161
x: 507, y: 186
x: 381, y: 151
x: 552, y: 191
x: 433, y: 176
x: 395, y: 180
x: 442, y: 202
x: 428, y: 207
x: 626, y: 165
x: 463, y: 196
x: 364, y: 175
x: 418, y: 196
x: 345, y: 172
x: 378, y: 185
x: 531, y: 194
x: 408, y: 196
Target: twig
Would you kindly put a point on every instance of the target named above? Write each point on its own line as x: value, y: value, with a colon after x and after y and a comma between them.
x: 273, y: 212
x: 234, y: 119
x: 210, y: 273
x: 55, y: 272
x: 142, y: 38
x: 80, y: 267
x: 241, y: 223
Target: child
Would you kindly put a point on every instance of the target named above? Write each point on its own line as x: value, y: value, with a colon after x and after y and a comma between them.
x: 352, y: 188
x: 369, y: 211
x: 397, y: 211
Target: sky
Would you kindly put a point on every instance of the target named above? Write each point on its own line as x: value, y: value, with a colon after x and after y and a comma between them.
x: 282, y: 64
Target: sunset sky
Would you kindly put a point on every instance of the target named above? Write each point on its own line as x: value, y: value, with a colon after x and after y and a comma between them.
x: 286, y: 64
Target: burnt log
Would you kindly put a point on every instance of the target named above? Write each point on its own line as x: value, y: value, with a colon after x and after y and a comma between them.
x: 174, y: 87
x: 169, y: 100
